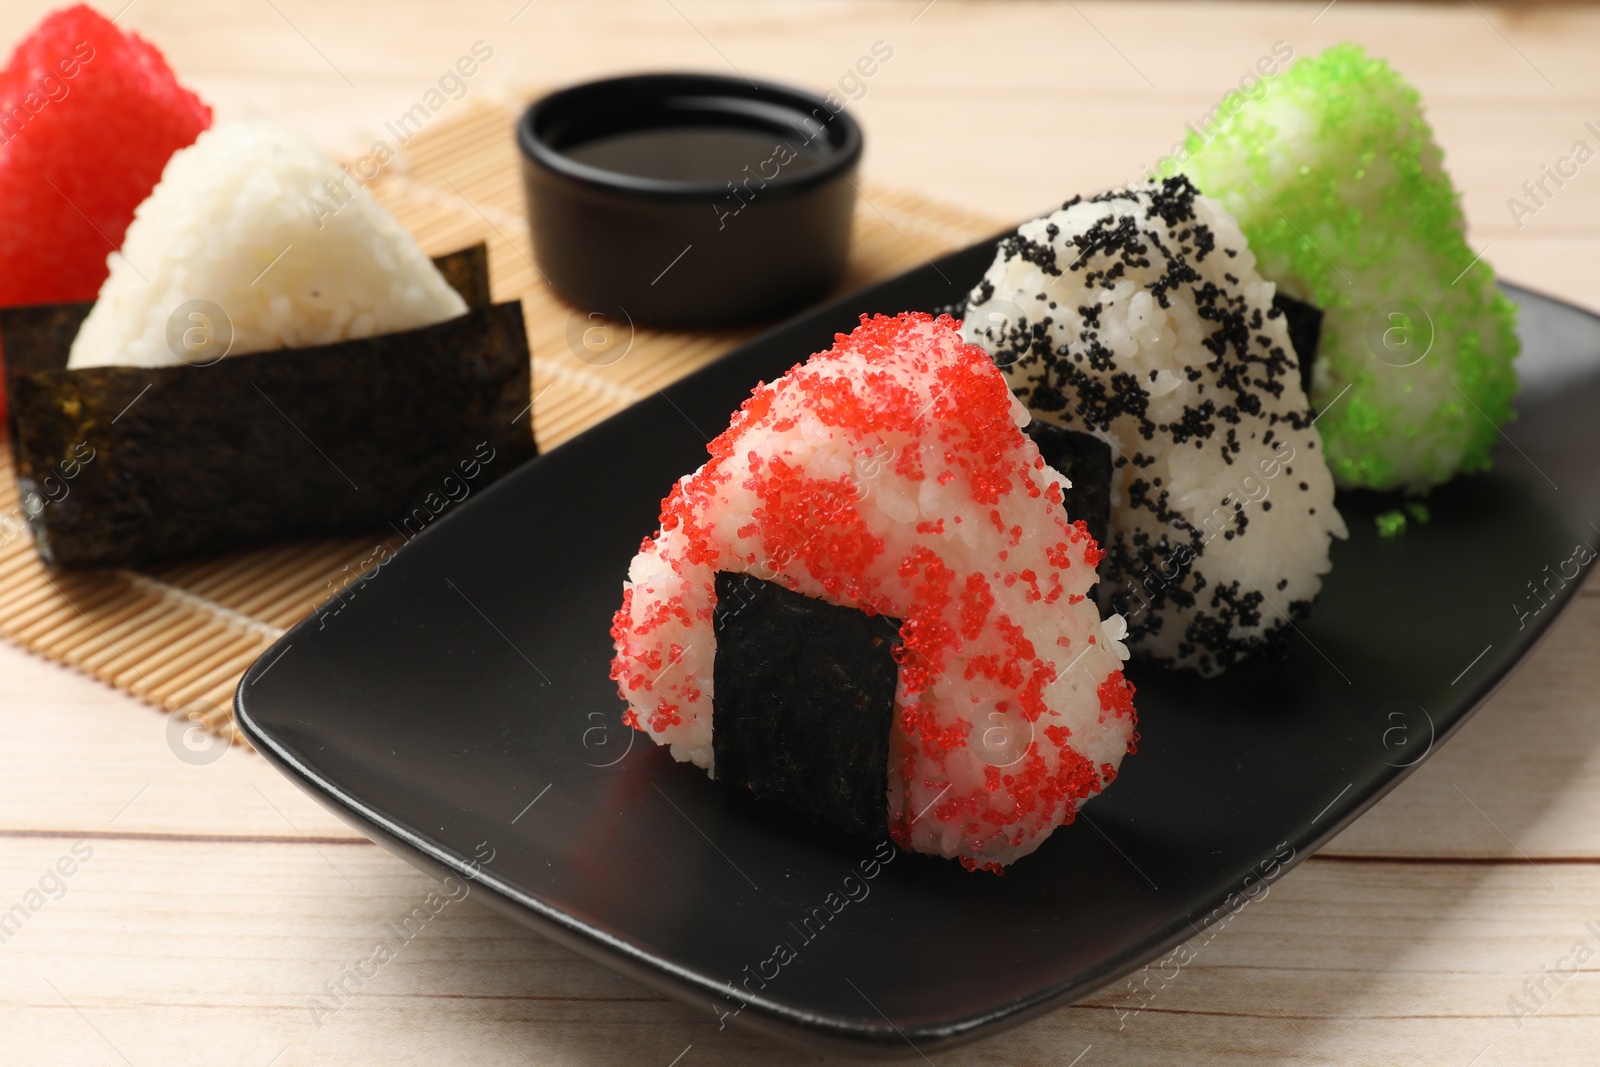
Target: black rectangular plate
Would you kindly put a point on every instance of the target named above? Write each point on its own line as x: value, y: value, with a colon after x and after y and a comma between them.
x: 469, y: 679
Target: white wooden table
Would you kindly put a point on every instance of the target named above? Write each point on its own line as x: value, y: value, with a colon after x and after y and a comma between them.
x: 218, y: 909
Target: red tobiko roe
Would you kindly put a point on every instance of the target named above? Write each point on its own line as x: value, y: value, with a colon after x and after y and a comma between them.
x: 89, y: 117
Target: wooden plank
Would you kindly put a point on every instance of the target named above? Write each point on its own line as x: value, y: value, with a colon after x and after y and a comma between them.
x: 1339, y: 963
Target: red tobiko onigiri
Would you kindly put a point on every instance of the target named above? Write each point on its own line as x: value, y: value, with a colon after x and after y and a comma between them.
x: 89, y: 116
x: 890, y: 475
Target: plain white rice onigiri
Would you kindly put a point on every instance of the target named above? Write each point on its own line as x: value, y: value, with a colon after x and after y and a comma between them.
x: 242, y: 219
x: 1138, y: 316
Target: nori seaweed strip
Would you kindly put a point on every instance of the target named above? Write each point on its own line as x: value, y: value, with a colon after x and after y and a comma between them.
x: 1305, y: 330
x: 803, y: 701
x: 467, y: 271
x: 1086, y: 461
x: 340, y: 438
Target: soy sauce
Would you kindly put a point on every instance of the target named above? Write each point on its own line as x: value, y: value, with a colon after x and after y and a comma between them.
x: 701, y: 154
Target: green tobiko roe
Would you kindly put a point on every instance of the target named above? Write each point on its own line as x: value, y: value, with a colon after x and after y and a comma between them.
x: 1334, y: 176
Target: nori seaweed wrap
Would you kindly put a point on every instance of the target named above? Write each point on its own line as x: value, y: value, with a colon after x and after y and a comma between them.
x: 1086, y: 461
x: 127, y: 465
x: 1305, y: 330
x: 804, y: 700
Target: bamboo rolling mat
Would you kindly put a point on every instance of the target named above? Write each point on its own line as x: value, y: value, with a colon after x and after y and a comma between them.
x: 179, y: 636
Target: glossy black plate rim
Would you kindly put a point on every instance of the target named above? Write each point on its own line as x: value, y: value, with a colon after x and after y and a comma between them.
x: 806, y: 1029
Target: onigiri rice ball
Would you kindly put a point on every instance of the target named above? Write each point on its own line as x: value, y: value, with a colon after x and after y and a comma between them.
x: 237, y: 251
x: 1139, y: 317
x: 889, y: 474
x: 1335, y: 177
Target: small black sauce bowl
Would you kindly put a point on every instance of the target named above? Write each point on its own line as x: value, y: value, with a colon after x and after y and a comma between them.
x: 747, y: 246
